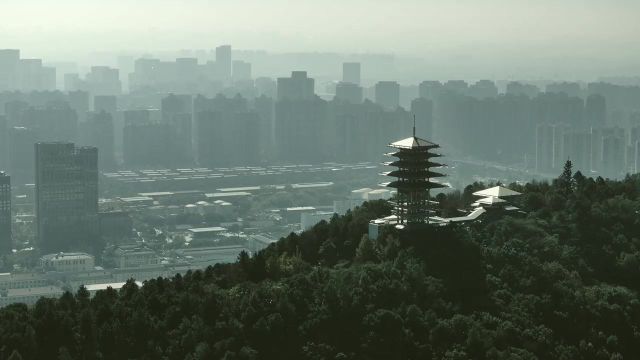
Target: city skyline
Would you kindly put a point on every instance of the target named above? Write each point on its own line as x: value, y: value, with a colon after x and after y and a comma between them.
x: 578, y: 39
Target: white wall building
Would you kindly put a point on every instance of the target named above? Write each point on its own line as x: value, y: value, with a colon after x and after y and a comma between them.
x: 67, y: 262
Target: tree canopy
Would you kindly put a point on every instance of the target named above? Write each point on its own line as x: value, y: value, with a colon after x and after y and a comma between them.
x: 560, y: 282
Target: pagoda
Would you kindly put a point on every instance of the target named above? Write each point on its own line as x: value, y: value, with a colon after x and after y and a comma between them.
x: 413, y: 178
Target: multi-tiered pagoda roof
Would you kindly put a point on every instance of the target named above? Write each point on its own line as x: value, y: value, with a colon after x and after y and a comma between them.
x: 413, y: 178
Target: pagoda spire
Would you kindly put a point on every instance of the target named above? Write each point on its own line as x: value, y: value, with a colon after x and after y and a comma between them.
x: 414, y: 125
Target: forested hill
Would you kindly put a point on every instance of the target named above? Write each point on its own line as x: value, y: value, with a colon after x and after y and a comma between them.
x: 561, y: 282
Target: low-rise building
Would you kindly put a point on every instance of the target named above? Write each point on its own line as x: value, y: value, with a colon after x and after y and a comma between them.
x: 136, y: 201
x: 67, y: 262
x: 133, y: 256
x: 93, y: 288
x: 292, y: 215
x: 206, y: 233
x: 28, y: 296
x: 211, y: 255
x: 22, y: 280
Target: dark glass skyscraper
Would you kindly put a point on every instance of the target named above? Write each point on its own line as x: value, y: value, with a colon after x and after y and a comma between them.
x: 66, y: 196
x: 6, y: 243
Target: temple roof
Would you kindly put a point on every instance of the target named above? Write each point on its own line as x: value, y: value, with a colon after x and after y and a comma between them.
x: 413, y: 142
x: 490, y: 200
x: 414, y: 185
x: 496, y: 191
x: 405, y: 174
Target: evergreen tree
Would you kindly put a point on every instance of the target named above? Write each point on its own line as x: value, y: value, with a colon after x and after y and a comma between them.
x: 365, y: 251
x: 15, y: 355
x: 565, y: 181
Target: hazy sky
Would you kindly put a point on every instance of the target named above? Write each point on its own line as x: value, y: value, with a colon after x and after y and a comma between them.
x: 493, y: 30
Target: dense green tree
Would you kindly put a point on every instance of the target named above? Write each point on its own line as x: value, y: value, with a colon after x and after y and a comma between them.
x: 558, y: 282
x: 366, y: 251
x: 15, y: 355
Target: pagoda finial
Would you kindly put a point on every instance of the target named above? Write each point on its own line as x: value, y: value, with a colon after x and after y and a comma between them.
x: 414, y: 125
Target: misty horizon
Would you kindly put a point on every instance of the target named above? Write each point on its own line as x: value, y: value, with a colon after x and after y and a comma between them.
x: 575, y: 40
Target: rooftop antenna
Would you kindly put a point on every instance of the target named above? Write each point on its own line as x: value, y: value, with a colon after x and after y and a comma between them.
x: 414, y: 125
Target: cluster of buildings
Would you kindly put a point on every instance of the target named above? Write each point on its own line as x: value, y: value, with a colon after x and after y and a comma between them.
x: 609, y: 151
x: 594, y: 125
x: 216, y: 113
x: 21, y: 74
x: 185, y: 149
x: 65, y: 201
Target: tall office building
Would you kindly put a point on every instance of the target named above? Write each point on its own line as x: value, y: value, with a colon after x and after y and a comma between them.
x: 351, y: 72
x: 103, y: 80
x: 4, y: 146
x: 6, y: 242
x: 301, y: 126
x: 349, y: 92
x: 266, y: 86
x: 456, y: 86
x: 186, y: 71
x: 20, y: 154
x: 106, y: 103
x: 101, y: 134
x: 79, y: 102
x: 33, y: 76
x: 598, y: 134
x: 544, y: 148
x: 517, y: 88
x: 223, y: 62
x: 483, y: 89
x: 9, y: 59
x: 145, y: 139
x: 596, y: 110
x: 296, y: 87
x: 177, y: 113
x: 636, y: 156
x: 56, y: 121
x: 577, y: 148
x: 265, y: 107
x: 387, y: 94
x: 241, y: 70
x: 572, y: 89
x: 430, y: 89
x: 66, y: 197
x: 613, y: 156
x: 229, y: 134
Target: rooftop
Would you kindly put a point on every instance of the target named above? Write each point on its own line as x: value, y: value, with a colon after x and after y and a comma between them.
x: 35, y: 291
x: 207, y: 229
x: 66, y: 256
x: 228, y: 194
x: 413, y: 142
x: 115, y: 286
x: 496, y: 191
x: 301, y: 208
x: 136, y: 199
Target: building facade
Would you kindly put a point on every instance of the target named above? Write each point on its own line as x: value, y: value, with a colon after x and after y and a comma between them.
x: 66, y: 196
x: 6, y: 243
x: 67, y: 262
